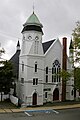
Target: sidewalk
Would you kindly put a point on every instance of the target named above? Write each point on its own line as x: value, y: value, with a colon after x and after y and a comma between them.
x: 39, y: 108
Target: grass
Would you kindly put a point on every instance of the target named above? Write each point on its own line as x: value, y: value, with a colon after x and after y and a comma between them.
x: 7, y: 104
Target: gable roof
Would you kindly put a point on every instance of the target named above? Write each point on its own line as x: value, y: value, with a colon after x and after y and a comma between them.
x: 46, y: 45
x: 15, y: 61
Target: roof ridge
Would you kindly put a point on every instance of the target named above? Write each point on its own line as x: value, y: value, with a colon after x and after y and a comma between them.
x: 49, y: 41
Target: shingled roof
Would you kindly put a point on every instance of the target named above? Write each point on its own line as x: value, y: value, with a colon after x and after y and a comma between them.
x: 15, y: 61
x: 46, y: 45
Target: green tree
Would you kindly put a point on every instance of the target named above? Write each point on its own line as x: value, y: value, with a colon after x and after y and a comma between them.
x: 76, y: 42
x: 77, y: 78
x: 76, y: 52
x: 6, y: 77
x: 65, y: 75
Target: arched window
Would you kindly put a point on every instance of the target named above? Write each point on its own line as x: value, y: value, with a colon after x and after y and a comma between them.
x: 35, y: 66
x: 55, y: 71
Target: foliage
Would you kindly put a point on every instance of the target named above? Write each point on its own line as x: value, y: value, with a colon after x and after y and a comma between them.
x: 76, y: 50
x: 2, y: 50
x: 76, y: 42
x: 77, y: 78
x: 6, y: 76
x: 65, y: 75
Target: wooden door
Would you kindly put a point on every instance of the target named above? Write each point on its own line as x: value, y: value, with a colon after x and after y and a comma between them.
x: 35, y: 99
x: 56, y: 94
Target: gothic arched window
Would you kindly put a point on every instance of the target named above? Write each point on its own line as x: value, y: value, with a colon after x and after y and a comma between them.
x: 55, y: 71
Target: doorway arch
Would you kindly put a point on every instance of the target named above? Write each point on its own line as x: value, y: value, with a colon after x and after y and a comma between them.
x: 34, y: 99
x: 56, y: 94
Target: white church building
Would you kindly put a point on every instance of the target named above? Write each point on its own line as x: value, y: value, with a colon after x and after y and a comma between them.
x: 38, y: 64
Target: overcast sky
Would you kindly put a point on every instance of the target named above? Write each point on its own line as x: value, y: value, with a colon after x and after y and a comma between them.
x: 57, y: 16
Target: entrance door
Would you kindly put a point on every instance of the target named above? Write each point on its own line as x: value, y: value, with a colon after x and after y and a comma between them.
x: 35, y: 99
x: 56, y: 94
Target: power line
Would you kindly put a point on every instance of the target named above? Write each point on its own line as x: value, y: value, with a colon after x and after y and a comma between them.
x: 52, y: 83
x: 50, y: 69
x: 47, y: 83
x: 31, y: 66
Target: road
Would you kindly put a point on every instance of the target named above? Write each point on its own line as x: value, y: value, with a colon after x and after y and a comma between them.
x: 67, y: 114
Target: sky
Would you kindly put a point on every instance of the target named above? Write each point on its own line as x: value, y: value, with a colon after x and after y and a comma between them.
x: 58, y: 17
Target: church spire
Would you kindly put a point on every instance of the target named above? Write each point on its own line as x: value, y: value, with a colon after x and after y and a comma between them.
x: 33, y: 23
x: 71, y: 44
x: 71, y: 48
x: 18, y: 45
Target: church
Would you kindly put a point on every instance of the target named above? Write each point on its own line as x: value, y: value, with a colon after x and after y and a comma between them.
x: 37, y: 64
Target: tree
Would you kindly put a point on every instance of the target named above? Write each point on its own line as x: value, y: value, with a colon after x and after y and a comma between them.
x: 76, y: 42
x: 77, y: 78
x: 65, y: 75
x: 76, y: 51
x: 6, y: 77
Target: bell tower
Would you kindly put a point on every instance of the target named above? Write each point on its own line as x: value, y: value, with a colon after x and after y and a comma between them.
x: 32, y: 36
x: 31, y: 59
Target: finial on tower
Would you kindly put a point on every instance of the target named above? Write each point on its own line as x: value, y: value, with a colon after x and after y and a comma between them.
x: 33, y: 7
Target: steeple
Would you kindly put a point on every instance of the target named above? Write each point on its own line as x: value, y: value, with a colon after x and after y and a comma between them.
x: 71, y: 50
x: 32, y: 23
x: 18, y: 46
x: 32, y: 36
x: 71, y: 44
x: 33, y: 20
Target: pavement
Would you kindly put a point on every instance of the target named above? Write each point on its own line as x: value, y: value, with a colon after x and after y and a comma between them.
x: 53, y: 107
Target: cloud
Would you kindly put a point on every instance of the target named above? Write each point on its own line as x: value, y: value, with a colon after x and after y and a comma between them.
x: 57, y: 16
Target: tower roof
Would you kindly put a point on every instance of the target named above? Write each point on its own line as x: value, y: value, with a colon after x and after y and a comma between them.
x: 33, y: 20
x: 71, y: 45
x: 32, y: 24
x: 18, y: 44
